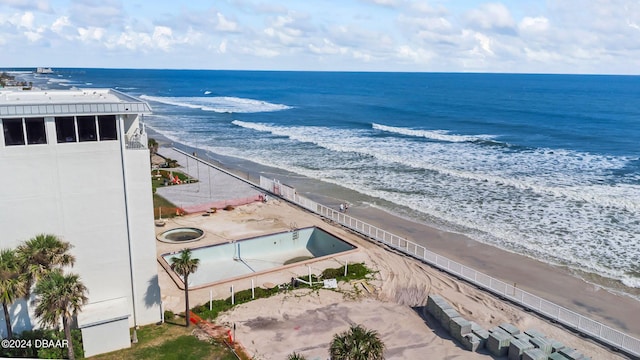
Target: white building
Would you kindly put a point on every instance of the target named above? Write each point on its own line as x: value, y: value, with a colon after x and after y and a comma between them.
x: 75, y: 163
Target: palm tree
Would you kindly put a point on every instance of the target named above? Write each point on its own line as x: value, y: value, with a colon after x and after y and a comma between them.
x: 42, y: 253
x: 357, y: 343
x: 184, y: 265
x: 152, y: 144
x: 59, y: 296
x: 11, y: 284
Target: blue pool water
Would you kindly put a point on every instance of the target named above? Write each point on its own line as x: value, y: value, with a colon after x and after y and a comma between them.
x: 260, y: 254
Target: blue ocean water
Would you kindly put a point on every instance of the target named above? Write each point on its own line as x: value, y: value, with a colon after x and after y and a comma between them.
x: 543, y: 165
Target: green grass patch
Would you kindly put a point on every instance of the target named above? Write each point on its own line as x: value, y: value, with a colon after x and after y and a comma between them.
x: 170, y: 342
x: 355, y: 271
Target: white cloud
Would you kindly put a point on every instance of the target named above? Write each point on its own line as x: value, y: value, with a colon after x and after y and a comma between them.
x: 484, y: 43
x: 38, y: 5
x: 327, y: 47
x: 259, y: 51
x: 426, y: 10
x: 542, y: 56
x: 418, y: 56
x: 90, y: 34
x: 225, y: 25
x: 573, y: 35
x: 534, y: 24
x: 60, y: 24
x: 33, y: 36
x: 163, y: 37
x: 26, y: 20
x: 383, y: 2
x: 436, y: 24
x: 286, y: 30
x: 492, y: 16
x: 360, y: 55
x: 97, y: 13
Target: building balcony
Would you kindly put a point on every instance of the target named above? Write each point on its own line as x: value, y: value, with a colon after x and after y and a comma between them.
x: 137, y: 141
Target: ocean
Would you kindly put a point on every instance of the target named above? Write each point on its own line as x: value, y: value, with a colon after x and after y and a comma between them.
x: 547, y: 166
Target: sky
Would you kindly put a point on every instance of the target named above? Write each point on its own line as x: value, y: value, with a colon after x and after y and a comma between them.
x: 515, y: 36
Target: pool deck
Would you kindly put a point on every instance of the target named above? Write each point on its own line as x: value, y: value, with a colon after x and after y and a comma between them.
x: 244, y: 222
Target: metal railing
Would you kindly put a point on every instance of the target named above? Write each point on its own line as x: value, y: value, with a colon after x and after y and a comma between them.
x: 571, y: 319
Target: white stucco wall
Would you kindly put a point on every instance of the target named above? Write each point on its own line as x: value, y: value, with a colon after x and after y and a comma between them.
x: 145, y: 266
x: 76, y: 191
x: 94, y: 338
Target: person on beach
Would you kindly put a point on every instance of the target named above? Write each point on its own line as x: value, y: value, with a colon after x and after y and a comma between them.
x: 341, y: 207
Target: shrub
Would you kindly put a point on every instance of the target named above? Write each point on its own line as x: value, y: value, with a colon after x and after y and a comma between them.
x: 169, y: 315
x: 354, y: 271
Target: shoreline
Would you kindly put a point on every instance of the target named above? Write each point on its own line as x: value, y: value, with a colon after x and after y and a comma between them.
x: 557, y: 284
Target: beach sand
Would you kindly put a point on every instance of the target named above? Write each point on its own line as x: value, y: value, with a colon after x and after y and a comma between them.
x: 556, y: 284
x: 305, y: 321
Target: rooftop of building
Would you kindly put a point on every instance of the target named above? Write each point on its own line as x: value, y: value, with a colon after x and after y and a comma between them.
x: 17, y: 102
x: 15, y: 96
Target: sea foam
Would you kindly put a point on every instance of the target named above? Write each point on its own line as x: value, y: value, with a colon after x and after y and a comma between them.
x: 440, y: 135
x: 219, y: 104
x: 557, y: 205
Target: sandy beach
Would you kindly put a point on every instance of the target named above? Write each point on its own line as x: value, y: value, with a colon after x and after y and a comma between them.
x: 560, y: 285
x: 305, y: 321
x: 398, y: 285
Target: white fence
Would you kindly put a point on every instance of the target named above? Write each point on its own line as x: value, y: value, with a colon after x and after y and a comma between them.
x: 589, y: 327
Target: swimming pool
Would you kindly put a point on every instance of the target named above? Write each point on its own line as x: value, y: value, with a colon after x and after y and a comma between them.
x: 246, y: 257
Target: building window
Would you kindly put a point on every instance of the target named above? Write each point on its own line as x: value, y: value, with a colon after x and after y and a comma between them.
x: 36, y: 133
x: 87, y: 128
x: 65, y: 129
x: 107, y: 127
x: 13, y: 132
